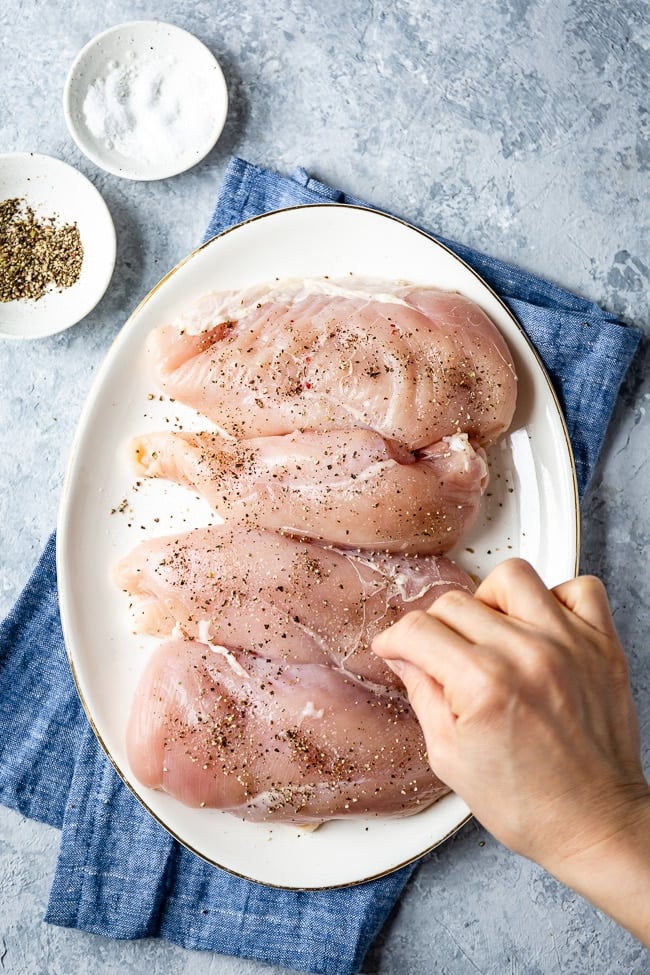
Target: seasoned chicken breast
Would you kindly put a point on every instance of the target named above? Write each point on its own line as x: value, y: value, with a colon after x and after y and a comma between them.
x: 292, y: 743
x: 414, y: 364
x: 284, y: 599
x: 346, y: 487
x: 346, y: 456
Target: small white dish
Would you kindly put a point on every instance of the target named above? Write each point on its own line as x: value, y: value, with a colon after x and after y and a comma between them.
x: 145, y: 100
x: 55, y: 189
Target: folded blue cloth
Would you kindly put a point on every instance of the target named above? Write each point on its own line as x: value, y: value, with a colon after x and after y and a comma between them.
x: 119, y: 874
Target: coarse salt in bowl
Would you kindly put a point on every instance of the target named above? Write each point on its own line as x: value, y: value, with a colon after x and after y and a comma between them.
x: 145, y: 100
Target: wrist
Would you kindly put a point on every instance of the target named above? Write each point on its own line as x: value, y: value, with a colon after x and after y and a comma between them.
x: 612, y: 868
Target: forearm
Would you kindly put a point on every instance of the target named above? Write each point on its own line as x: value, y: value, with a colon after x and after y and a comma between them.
x: 614, y: 874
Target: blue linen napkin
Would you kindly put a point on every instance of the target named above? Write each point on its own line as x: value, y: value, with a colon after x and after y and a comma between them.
x: 119, y: 874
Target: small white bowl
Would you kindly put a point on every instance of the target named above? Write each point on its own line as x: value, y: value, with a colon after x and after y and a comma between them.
x: 145, y: 100
x: 54, y: 189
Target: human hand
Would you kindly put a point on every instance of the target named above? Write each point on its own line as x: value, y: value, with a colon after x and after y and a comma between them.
x: 524, y: 700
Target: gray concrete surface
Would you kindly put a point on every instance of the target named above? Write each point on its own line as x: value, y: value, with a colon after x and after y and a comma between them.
x: 518, y: 127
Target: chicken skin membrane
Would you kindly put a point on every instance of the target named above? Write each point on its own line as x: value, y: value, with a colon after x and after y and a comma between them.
x: 345, y: 487
x: 414, y: 364
x: 292, y: 743
x: 284, y: 599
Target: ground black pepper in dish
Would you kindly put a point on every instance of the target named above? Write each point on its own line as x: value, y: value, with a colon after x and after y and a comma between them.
x: 35, y: 253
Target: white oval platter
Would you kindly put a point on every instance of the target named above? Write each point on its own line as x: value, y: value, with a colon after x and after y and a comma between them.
x: 531, y: 511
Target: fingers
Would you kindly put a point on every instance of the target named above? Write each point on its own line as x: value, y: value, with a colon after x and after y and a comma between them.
x: 510, y: 601
x: 432, y: 711
x: 426, y: 643
x: 470, y: 618
x: 515, y: 589
x: 586, y: 598
x: 509, y: 605
x: 439, y: 653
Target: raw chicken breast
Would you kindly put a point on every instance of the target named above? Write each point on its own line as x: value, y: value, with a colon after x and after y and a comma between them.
x: 347, y: 487
x: 283, y: 599
x: 351, y: 420
x: 288, y: 743
x: 415, y: 364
